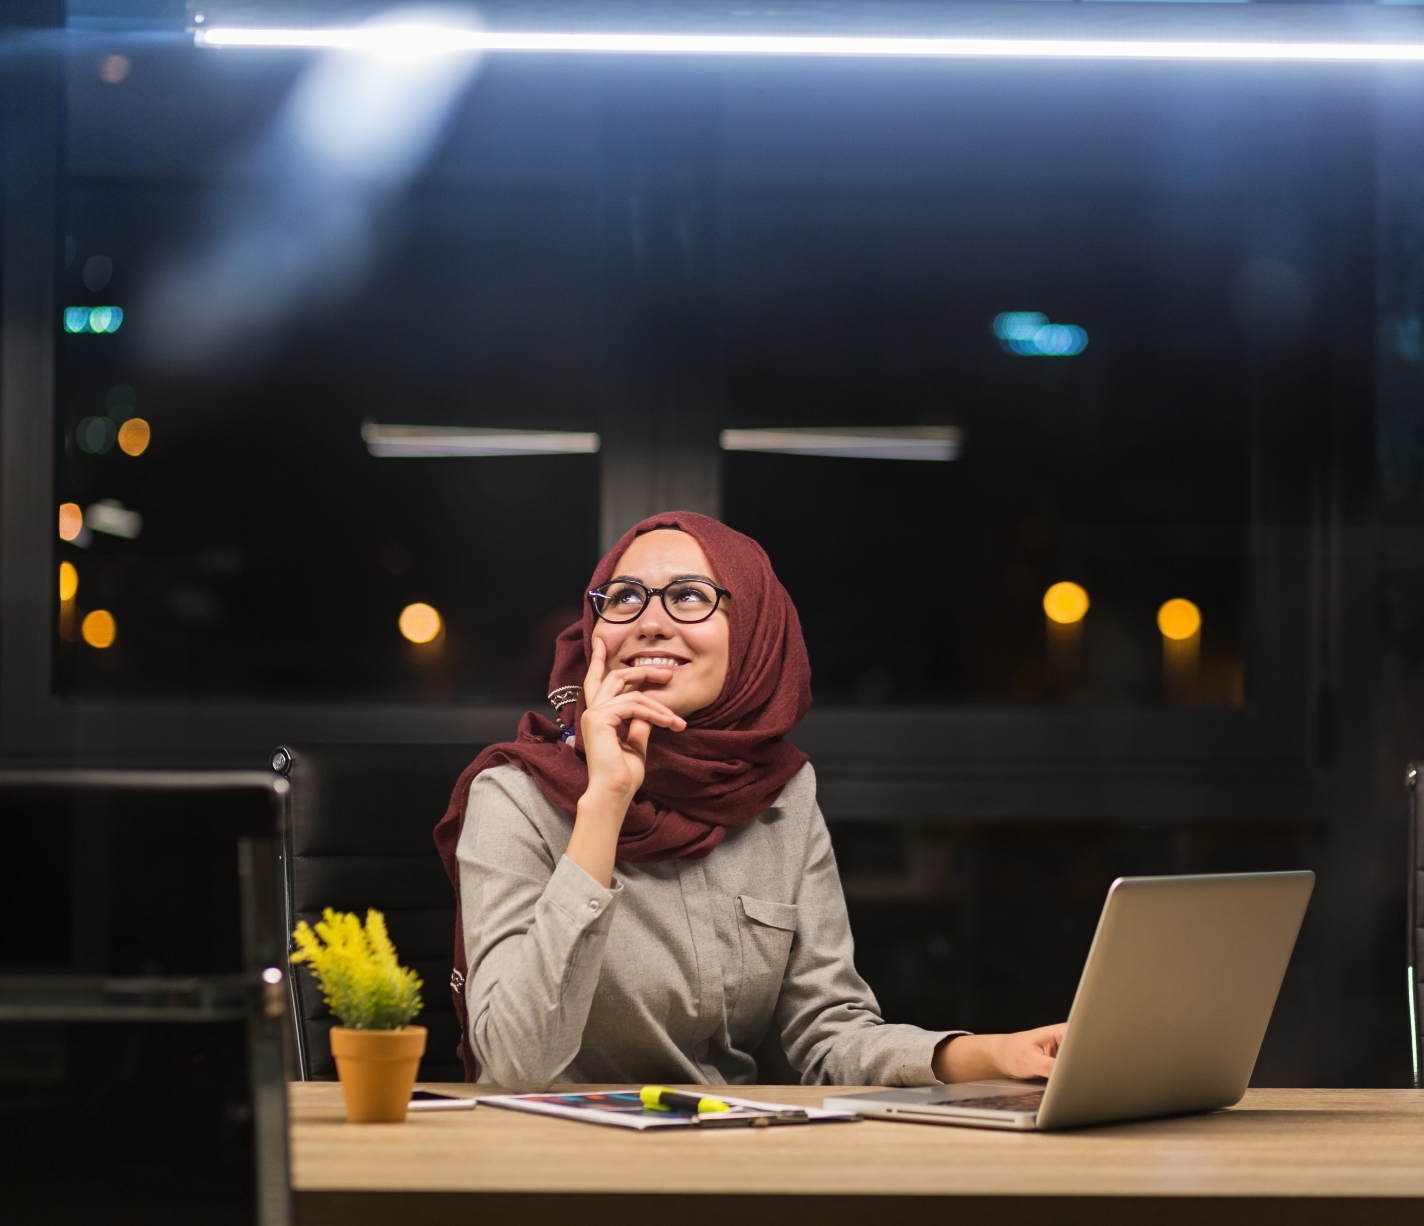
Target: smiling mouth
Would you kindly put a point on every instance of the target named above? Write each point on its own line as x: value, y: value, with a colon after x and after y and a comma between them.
x: 646, y: 660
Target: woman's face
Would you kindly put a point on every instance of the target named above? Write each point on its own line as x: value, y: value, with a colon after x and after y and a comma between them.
x: 696, y: 653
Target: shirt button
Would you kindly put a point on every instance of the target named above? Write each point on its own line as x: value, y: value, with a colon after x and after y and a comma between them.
x: 593, y: 904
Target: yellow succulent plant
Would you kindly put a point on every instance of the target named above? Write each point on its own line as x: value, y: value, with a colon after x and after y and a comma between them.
x: 360, y: 978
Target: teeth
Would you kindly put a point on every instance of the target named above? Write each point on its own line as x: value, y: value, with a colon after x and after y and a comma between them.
x: 656, y: 661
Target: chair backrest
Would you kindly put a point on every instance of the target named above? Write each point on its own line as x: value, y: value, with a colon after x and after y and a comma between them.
x: 1414, y: 893
x: 359, y: 835
x: 142, y: 997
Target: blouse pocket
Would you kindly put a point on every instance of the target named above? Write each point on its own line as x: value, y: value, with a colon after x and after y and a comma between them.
x: 782, y: 915
x: 766, y: 930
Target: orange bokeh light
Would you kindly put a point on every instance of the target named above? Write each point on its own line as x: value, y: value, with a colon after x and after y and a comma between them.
x: 420, y: 623
x: 134, y: 436
x: 1179, y: 619
x: 99, y: 628
x: 1065, y: 603
x: 71, y: 521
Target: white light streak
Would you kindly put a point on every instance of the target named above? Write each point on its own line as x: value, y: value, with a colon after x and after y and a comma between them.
x: 473, y: 441
x: 409, y: 40
x: 869, y: 443
x: 352, y: 135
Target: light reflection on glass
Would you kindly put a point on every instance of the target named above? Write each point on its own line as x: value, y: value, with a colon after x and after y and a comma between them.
x: 95, y: 435
x: 111, y: 516
x: 71, y: 521
x: 1065, y: 603
x: 114, y: 69
x: 1030, y: 334
x: 68, y: 581
x: 353, y: 134
x: 93, y: 319
x: 99, y: 629
x: 1179, y: 619
x: 134, y: 436
x: 420, y: 623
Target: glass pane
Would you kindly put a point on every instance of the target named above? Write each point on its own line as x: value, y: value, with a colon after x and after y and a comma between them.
x: 1099, y: 327
x: 253, y: 543
x: 1101, y: 323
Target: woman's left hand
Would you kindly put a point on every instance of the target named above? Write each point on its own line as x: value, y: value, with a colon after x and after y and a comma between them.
x: 1026, y: 1055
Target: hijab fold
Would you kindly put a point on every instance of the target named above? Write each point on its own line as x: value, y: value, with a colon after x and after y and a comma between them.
x: 726, y: 767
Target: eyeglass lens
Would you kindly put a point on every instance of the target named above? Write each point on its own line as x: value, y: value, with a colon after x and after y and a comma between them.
x: 689, y: 601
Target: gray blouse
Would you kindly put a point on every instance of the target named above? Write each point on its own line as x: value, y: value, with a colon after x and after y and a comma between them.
x: 677, y: 972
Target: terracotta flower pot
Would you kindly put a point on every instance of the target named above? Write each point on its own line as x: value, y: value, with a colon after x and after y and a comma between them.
x: 377, y: 1071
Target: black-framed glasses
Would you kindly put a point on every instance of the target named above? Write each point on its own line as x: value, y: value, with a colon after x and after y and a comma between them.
x: 686, y: 601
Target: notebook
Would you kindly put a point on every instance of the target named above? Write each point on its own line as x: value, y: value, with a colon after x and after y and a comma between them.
x: 625, y: 1109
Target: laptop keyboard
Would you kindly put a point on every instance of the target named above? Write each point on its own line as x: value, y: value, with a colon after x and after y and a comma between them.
x: 997, y: 1102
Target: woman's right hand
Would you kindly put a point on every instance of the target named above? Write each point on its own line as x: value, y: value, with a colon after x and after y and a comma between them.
x: 616, y: 763
x: 617, y: 759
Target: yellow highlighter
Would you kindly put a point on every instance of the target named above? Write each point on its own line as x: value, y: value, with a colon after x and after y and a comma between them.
x: 660, y: 1098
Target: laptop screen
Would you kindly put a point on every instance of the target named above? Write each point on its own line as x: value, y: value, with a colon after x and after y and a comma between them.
x: 135, y: 879
x: 133, y: 1039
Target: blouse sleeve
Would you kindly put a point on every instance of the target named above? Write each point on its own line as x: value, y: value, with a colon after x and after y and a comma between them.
x: 535, y: 932
x: 831, y: 1028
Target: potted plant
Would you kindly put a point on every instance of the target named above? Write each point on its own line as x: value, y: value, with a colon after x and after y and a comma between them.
x: 374, y: 997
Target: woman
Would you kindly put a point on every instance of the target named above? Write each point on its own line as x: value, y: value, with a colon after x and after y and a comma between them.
x: 644, y: 899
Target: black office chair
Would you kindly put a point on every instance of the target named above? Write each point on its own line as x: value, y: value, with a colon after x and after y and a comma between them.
x: 1414, y: 892
x: 359, y: 834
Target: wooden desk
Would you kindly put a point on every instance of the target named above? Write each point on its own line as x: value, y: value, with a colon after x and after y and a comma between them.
x: 1302, y: 1157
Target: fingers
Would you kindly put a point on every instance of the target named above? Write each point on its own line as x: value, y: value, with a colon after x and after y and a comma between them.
x: 1035, y: 1051
x: 617, y: 680
x: 597, y: 665
x: 609, y: 700
x: 1047, y: 1038
x: 1025, y: 1054
x: 1036, y: 1064
x: 654, y: 712
x: 634, y: 705
x: 638, y: 732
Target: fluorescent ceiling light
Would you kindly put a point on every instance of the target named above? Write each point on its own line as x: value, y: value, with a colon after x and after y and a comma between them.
x: 471, y: 440
x: 434, y: 40
x: 871, y: 443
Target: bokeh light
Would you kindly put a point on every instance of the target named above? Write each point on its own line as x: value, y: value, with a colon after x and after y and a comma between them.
x: 95, y: 435
x: 114, y: 69
x: 71, y: 521
x: 121, y: 401
x: 420, y: 623
x: 1065, y: 603
x: 134, y: 436
x: 98, y: 272
x: 99, y: 628
x: 93, y: 319
x: 1029, y: 334
x: 68, y: 581
x: 1179, y: 619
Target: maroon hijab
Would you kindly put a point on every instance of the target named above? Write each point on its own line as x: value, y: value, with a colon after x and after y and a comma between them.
x: 727, y: 766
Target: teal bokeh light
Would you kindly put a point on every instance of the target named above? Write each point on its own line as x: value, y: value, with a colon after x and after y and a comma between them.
x: 93, y: 319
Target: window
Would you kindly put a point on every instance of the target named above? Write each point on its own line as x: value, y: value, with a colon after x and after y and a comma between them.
x: 1124, y: 308
x: 258, y: 545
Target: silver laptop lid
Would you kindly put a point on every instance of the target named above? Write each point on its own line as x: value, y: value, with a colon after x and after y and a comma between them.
x: 1174, y: 1000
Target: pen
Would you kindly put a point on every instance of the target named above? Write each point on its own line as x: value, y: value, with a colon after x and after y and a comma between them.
x: 661, y: 1098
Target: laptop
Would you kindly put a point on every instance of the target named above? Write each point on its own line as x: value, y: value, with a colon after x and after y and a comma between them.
x: 142, y: 998
x: 1169, y: 1015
